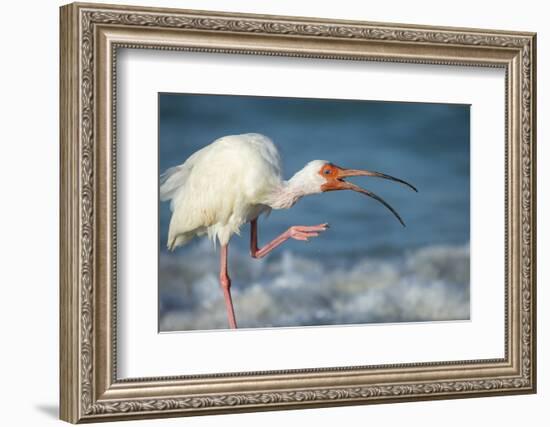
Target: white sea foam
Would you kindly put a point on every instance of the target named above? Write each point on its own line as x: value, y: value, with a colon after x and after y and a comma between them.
x: 426, y: 284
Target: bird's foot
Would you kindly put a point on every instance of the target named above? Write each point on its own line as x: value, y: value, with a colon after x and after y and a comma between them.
x: 304, y: 232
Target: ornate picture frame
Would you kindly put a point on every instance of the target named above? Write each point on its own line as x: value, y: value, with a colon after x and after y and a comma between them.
x: 90, y: 37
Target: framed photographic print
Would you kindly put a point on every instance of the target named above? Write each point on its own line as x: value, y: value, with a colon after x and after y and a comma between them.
x: 267, y: 212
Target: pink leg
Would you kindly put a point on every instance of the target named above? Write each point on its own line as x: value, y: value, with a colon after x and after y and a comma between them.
x: 297, y: 232
x: 225, y: 283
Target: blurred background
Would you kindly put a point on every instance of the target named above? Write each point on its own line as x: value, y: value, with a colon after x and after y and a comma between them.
x: 366, y: 268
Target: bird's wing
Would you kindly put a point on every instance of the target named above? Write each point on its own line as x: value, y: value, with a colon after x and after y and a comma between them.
x: 175, y: 177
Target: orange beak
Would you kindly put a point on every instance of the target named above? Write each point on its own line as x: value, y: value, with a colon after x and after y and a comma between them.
x: 335, y: 181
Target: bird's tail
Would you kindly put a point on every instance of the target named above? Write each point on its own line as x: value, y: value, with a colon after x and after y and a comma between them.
x: 170, y: 182
x: 175, y: 178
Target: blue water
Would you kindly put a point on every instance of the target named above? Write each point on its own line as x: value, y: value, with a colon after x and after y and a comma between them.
x: 424, y: 144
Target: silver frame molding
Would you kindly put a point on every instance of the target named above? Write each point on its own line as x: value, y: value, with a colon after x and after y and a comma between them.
x: 90, y: 37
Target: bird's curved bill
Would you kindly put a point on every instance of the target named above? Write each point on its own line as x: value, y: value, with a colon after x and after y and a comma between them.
x: 340, y: 184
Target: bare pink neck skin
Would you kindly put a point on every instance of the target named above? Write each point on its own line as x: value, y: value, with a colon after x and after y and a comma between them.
x: 285, y: 196
x: 303, y: 183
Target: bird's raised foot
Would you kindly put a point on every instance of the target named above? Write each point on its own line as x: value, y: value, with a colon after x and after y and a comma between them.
x: 305, y: 232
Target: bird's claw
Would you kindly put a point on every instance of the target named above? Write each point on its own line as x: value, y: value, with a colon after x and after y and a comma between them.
x: 305, y: 232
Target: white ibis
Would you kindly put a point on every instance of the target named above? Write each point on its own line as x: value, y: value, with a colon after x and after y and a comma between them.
x: 234, y: 180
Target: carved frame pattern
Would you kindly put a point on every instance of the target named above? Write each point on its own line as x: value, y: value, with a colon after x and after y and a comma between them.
x: 80, y: 23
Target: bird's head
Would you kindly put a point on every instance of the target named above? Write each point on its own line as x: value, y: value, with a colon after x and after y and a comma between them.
x: 320, y: 176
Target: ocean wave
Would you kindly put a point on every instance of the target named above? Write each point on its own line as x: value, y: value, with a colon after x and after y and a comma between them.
x: 426, y: 284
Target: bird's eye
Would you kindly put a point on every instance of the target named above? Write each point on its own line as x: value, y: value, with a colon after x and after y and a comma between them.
x: 327, y: 172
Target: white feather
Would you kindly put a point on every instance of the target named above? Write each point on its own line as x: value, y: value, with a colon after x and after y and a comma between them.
x: 220, y: 187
